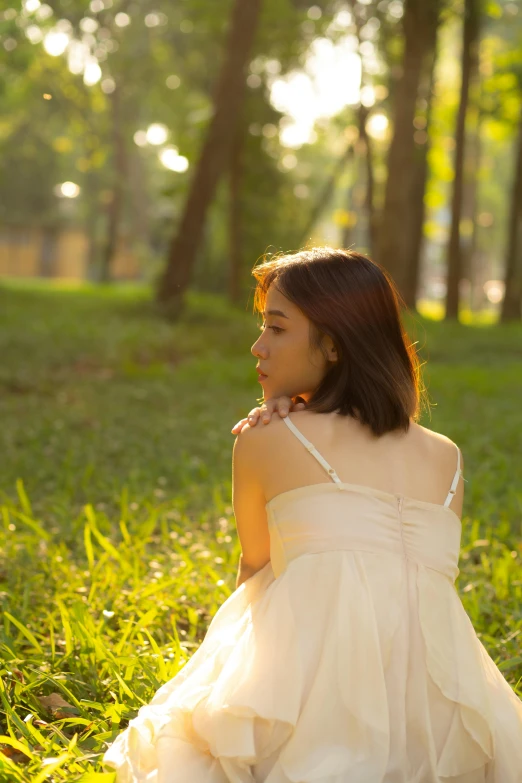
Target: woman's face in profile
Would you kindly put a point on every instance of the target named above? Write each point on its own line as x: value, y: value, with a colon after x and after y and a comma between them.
x: 283, y: 350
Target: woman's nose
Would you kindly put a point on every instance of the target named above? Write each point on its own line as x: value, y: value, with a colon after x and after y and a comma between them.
x: 258, y: 349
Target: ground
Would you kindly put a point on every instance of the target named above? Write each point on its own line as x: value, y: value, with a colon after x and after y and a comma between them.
x: 118, y: 540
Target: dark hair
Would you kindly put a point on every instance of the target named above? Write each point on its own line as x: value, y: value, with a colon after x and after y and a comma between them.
x: 351, y: 298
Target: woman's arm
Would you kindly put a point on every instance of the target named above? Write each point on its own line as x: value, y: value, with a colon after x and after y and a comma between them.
x: 248, y: 500
x: 244, y: 572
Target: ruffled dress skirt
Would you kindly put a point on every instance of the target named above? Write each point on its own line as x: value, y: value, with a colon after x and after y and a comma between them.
x: 349, y: 667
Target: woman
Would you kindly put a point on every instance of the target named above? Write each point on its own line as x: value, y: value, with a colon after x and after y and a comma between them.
x: 345, y: 655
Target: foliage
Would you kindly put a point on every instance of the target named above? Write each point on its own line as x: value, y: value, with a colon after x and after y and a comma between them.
x: 161, y: 70
x: 117, y: 535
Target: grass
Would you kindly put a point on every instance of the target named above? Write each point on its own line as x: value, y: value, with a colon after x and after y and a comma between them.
x: 117, y: 537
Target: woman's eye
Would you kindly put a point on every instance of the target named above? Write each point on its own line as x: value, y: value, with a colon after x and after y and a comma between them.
x: 276, y: 329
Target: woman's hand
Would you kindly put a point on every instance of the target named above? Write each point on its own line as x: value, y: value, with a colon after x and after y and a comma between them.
x: 283, y: 405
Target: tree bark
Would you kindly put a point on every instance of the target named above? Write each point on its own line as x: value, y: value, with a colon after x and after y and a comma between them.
x: 92, y: 199
x: 470, y: 194
x: 414, y: 238
x: 115, y: 206
x: 235, y: 216
x: 395, y: 224
x: 138, y: 192
x: 370, y: 179
x: 364, y: 144
x: 50, y: 236
x: 214, y: 157
x: 469, y: 53
x: 511, y: 309
x: 470, y: 262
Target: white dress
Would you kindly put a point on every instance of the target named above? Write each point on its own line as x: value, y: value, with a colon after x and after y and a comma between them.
x: 349, y: 658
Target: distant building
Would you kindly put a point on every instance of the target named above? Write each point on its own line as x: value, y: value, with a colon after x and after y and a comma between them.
x: 27, y: 251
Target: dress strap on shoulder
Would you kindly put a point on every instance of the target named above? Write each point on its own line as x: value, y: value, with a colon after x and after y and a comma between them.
x: 458, y: 474
x: 311, y: 448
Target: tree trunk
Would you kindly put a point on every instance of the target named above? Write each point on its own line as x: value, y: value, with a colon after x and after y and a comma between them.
x: 470, y: 254
x: 469, y: 45
x: 115, y: 206
x: 50, y: 237
x: 214, y: 156
x: 91, y: 196
x: 512, y: 303
x: 370, y: 179
x: 395, y: 225
x: 470, y: 194
x: 138, y: 192
x: 364, y: 146
x: 91, y: 225
x: 235, y: 216
x: 414, y: 238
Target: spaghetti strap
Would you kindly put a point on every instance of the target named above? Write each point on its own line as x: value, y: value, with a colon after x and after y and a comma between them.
x: 331, y: 472
x: 455, y: 481
x: 311, y: 448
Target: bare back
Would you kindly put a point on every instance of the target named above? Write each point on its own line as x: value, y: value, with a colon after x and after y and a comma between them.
x: 419, y: 464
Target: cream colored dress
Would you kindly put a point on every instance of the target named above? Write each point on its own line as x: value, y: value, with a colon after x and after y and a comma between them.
x: 349, y: 658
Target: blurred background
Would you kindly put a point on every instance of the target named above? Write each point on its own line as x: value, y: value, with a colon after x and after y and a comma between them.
x: 151, y: 153
x: 175, y: 143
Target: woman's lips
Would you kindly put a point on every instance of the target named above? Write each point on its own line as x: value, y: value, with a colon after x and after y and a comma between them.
x: 261, y: 376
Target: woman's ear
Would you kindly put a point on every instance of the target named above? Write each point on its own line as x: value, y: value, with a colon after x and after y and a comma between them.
x: 328, y: 348
x: 332, y: 351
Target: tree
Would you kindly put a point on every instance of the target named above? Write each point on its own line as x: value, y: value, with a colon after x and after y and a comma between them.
x: 414, y: 237
x: 214, y: 157
x: 119, y: 181
x: 469, y: 55
x: 419, y: 19
x: 512, y: 303
x: 235, y: 214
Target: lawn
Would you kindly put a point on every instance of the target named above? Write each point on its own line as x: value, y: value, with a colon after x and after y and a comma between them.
x: 118, y: 541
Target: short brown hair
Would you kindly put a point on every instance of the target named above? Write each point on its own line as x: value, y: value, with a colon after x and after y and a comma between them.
x: 353, y: 300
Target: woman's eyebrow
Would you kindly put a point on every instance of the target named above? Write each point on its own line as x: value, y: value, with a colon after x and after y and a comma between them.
x: 275, y: 312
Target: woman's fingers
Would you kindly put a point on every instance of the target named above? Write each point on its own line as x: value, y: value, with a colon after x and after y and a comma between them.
x: 254, y: 415
x: 265, y: 411
x: 237, y: 428
x: 251, y: 419
x: 283, y: 405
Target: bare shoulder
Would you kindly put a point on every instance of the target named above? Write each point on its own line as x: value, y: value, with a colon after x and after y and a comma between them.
x: 439, y: 445
x: 249, y: 438
x: 432, y: 436
x: 259, y: 433
x: 263, y: 438
x: 254, y: 441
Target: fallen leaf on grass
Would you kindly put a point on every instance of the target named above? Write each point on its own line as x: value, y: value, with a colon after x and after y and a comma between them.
x: 15, y: 755
x: 57, y: 705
